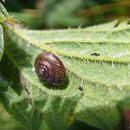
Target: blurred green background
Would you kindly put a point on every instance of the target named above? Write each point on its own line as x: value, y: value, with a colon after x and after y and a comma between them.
x: 44, y: 14
x: 56, y: 14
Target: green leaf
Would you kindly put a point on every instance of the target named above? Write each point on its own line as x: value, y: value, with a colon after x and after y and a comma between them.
x: 1, y: 42
x: 7, y: 122
x: 3, y: 10
x: 96, y: 58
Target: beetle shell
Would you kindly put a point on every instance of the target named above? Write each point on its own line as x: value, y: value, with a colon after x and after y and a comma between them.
x: 50, y: 69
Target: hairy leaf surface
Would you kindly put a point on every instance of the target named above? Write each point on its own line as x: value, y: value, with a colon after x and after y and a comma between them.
x: 96, y: 58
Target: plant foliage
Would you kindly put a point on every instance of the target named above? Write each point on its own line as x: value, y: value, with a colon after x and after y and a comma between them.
x: 96, y: 58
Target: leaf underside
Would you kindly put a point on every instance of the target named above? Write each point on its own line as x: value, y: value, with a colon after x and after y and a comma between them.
x: 103, y: 77
x: 1, y: 42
